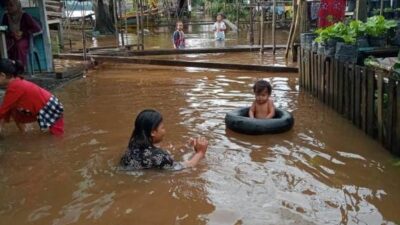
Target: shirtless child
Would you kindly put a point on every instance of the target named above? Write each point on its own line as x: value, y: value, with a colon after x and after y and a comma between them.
x: 263, y: 107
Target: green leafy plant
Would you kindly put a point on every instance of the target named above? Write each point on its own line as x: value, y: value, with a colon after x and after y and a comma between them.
x: 388, y: 10
x: 378, y: 26
x: 358, y: 28
x: 338, y: 31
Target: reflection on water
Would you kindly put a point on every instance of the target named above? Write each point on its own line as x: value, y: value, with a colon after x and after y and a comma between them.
x: 323, y: 171
x: 197, y: 36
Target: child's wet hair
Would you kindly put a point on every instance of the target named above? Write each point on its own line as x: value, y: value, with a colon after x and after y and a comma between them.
x: 11, y: 68
x: 147, y: 121
x: 262, y: 85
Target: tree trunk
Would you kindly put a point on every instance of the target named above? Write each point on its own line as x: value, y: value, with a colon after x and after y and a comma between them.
x: 104, y: 16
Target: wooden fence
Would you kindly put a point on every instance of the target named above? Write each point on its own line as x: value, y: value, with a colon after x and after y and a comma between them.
x: 370, y: 98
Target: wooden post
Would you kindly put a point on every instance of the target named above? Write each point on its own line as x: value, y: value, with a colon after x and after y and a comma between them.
x: 396, y: 148
x: 380, y: 106
x: 370, y: 75
x: 273, y: 26
x: 251, y: 24
x: 120, y: 24
x: 115, y: 23
x: 138, y: 25
x: 291, y: 31
x: 237, y: 13
x: 262, y: 30
x: 141, y: 24
x: 390, y: 128
x: 361, y: 12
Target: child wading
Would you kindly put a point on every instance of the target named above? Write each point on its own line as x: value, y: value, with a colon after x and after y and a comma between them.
x: 219, y: 29
x: 25, y: 102
x: 178, y: 37
x: 263, y: 106
x: 142, y: 152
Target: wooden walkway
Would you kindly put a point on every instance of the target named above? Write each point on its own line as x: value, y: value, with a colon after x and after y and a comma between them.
x: 172, y: 62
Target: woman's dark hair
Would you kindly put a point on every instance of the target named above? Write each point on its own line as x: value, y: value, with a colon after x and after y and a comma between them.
x: 147, y: 121
x: 262, y: 85
x: 11, y: 68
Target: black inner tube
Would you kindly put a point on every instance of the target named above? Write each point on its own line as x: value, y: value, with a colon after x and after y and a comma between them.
x: 238, y: 120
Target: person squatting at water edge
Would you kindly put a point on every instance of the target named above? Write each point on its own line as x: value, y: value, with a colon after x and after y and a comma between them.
x: 143, y: 154
x: 26, y: 102
x: 263, y: 106
x: 21, y: 26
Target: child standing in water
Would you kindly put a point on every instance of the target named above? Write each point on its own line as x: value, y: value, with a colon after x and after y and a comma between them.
x: 142, y: 152
x: 263, y: 107
x: 219, y: 29
x: 178, y: 37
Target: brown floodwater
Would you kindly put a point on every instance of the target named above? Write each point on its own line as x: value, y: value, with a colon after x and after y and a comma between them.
x: 323, y: 171
x: 196, y: 36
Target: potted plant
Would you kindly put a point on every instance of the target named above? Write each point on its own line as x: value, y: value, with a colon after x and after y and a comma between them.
x: 306, y: 40
x: 388, y: 13
x: 377, y: 28
x: 397, y: 13
x: 358, y: 29
x: 329, y: 36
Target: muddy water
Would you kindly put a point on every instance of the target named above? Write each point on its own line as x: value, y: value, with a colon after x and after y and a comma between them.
x: 197, y: 36
x: 323, y: 171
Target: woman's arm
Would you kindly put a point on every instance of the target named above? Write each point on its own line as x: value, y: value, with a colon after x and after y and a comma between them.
x: 200, y: 147
x: 30, y: 26
x: 271, y: 109
x: 252, y: 110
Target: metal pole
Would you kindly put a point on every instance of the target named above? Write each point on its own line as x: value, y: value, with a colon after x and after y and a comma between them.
x: 83, y: 33
x: 273, y: 26
x: 262, y: 30
x: 381, y: 12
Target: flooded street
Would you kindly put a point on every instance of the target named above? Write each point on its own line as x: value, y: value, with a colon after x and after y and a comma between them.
x: 323, y: 171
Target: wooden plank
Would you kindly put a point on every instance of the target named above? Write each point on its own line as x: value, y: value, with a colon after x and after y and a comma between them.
x: 331, y: 82
x: 380, y: 106
x: 396, y: 149
x: 357, y: 97
x: 316, y: 76
x: 321, y: 79
x: 308, y: 64
x: 363, y: 99
x: 301, y: 73
x: 370, y: 102
x: 352, y: 92
x: 310, y: 81
x: 389, y: 126
x: 162, y: 62
x: 346, y: 91
x: 325, y: 81
x: 54, y: 14
x: 336, y: 85
x: 340, y: 88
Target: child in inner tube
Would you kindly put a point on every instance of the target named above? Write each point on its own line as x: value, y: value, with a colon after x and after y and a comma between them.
x: 263, y: 106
